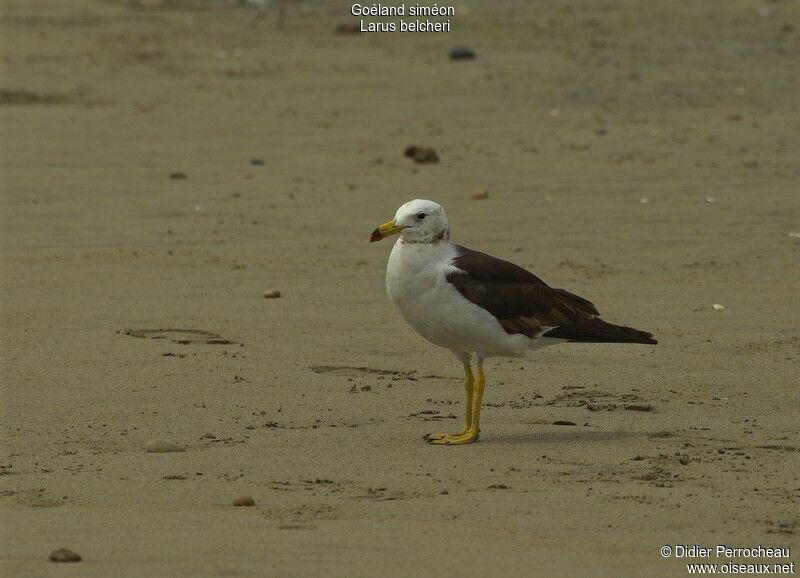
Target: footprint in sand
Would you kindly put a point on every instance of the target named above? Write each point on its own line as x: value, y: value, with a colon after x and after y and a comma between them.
x: 181, y: 336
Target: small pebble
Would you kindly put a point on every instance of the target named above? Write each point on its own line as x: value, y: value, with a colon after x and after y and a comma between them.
x: 257, y: 162
x: 639, y: 407
x: 718, y: 306
x: 480, y: 195
x: 244, y: 501
x: 179, y: 176
x: 563, y: 422
x: 272, y: 295
x: 644, y: 200
x: 162, y: 446
x: 64, y: 555
x: 462, y: 53
x: 711, y: 200
x: 421, y: 155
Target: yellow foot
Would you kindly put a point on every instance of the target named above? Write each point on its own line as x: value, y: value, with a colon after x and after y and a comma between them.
x: 438, y: 436
x: 464, y: 437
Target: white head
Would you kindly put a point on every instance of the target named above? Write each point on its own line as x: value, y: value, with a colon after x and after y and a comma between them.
x: 417, y: 221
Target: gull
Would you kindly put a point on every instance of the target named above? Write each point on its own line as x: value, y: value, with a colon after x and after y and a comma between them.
x: 478, y: 306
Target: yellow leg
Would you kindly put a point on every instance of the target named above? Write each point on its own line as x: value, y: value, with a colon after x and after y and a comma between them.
x: 469, y: 382
x: 469, y: 386
x: 476, y: 414
x: 472, y: 413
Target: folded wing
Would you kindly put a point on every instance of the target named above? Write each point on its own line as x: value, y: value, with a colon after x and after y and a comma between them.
x: 524, y: 304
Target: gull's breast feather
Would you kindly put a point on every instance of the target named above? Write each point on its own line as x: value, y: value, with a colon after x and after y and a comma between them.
x: 416, y: 281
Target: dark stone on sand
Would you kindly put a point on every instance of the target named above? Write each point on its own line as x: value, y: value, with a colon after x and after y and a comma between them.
x: 643, y: 407
x: 462, y: 53
x: 177, y: 176
x: 421, y: 155
x: 64, y: 555
x: 257, y: 162
x: 563, y: 422
x: 246, y: 501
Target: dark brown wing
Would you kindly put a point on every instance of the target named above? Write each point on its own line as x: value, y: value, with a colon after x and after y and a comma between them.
x: 520, y: 301
x: 595, y: 330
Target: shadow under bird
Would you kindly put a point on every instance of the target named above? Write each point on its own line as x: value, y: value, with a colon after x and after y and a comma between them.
x: 478, y: 306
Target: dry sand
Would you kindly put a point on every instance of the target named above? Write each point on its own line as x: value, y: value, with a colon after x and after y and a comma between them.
x: 572, y: 113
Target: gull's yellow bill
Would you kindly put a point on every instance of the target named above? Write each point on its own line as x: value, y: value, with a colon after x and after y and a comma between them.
x: 385, y: 230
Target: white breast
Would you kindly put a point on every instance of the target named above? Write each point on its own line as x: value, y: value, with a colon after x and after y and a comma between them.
x: 417, y: 285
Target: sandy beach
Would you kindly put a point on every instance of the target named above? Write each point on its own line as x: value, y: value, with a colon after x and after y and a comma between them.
x: 166, y: 163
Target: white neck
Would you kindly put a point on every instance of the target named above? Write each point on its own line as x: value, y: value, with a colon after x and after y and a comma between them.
x: 441, y: 236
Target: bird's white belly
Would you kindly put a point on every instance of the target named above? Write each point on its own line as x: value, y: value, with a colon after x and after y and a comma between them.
x: 417, y: 285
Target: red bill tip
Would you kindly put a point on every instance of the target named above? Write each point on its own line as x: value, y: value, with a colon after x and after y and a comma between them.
x: 375, y: 236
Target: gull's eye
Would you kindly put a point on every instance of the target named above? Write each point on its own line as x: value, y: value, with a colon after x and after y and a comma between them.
x: 420, y: 216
